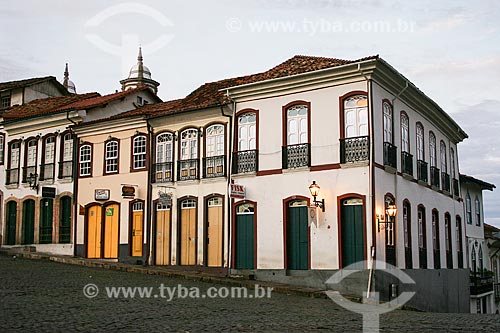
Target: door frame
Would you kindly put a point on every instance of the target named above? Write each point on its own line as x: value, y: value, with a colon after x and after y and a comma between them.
x: 131, y: 225
x: 155, y: 230
x: 339, y: 222
x: 86, y: 227
x: 103, y: 218
x: 286, y: 201
x: 205, y: 227
x: 178, y: 252
x: 103, y: 224
x: 23, y: 217
x: 41, y: 217
x: 16, y: 223
x: 233, y: 231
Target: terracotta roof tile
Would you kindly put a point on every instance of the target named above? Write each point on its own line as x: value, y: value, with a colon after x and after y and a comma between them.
x: 26, y: 82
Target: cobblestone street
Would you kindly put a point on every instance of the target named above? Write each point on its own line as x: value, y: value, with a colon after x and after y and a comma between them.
x: 46, y: 296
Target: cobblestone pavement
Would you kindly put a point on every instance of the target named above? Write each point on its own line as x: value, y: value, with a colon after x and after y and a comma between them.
x: 43, y: 296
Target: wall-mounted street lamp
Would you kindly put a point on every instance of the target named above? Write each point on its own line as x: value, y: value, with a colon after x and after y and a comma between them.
x: 314, y: 189
x: 390, y: 210
x: 33, y: 181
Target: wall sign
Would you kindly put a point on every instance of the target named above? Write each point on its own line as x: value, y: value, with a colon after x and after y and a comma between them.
x: 101, y: 194
x: 237, y: 191
x: 128, y: 191
x: 110, y: 211
x: 48, y: 192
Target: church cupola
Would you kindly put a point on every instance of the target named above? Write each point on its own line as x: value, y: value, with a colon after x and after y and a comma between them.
x: 140, y: 76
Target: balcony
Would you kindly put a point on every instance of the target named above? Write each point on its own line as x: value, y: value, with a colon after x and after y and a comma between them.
x: 456, y: 188
x: 354, y: 150
x: 449, y: 260
x: 27, y: 171
x: 47, y: 171
x: 12, y: 176
x: 245, y: 161
x: 65, y: 169
x: 390, y: 155
x: 435, y: 176
x: 407, y: 163
x: 460, y: 259
x: 422, y: 256
x: 163, y: 172
x: 445, y: 179
x: 214, y: 166
x: 296, y: 156
x: 437, y: 259
x: 422, y: 171
x: 187, y: 169
x: 480, y: 283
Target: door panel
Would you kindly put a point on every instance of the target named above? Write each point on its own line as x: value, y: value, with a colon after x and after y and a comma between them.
x: 245, y: 241
x: 111, y: 220
x: 65, y: 220
x: 163, y: 237
x: 137, y: 223
x: 11, y: 223
x: 46, y: 206
x: 352, y: 234
x: 297, y: 238
x: 94, y: 219
x: 188, y: 236
x: 29, y: 222
x: 214, y: 236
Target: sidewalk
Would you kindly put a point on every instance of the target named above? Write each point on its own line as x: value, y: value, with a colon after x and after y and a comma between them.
x: 167, y: 272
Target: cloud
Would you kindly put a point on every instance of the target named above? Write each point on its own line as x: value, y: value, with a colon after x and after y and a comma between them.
x: 445, y: 23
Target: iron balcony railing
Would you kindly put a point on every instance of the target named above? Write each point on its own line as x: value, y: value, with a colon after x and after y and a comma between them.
x: 437, y: 258
x: 47, y: 171
x: 355, y: 149
x: 65, y: 169
x: 480, y: 283
x: 434, y: 176
x: 460, y: 258
x: 422, y: 171
x: 214, y: 166
x: 296, y: 156
x: 163, y: 172
x: 445, y: 179
x: 449, y: 259
x: 27, y: 171
x: 456, y: 188
x: 187, y: 169
x: 407, y: 163
x: 12, y: 176
x: 422, y: 256
x: 245, y: 161
x: 390, y: 152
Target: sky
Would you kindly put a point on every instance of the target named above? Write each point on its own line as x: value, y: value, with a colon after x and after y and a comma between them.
x: 449, y: 49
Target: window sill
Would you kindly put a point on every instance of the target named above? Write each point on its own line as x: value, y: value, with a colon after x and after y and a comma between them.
x: 46, y: 182
x: 12, y: 186
x: 188, y: 182
x: 354, y: 164
x: 390, y: 169
x: 214, y: 179
x: 299, y: 169
x: 245, y: 174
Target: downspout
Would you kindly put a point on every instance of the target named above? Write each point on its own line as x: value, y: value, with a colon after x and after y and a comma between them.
x: 148, y: 197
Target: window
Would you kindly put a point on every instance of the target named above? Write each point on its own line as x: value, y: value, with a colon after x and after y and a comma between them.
x: 420, y: 142
x: 188, y: 164
x: 31, y: 149
x: 4, y: 99
x: 435, y: 239
x: 245, y: 157
x: 297, y: 125
x: 164, y: 157
x: 473, y: 258
x: 468, y: 209
x: 49, y: 146
x: 356, y: 116
x: 421, y: 228
x: 13, y: 170
x: 214, y: 154
x: 388, y: 124
x: 405, y: 136
x: 432, y: 149
x: 66, y: 159
x: 2, y: 148
x: 85, y: 160
x: 188, y: 204
x: 139, y: 152
x: 67, y: 147
x: 481, y: 263
x: 452, y: 162
x: 477, y: 206
x: 458, y: 233
x: 247, y: 131
x: 111, y: 157
x: 444, y: 164
x: 407, y: 234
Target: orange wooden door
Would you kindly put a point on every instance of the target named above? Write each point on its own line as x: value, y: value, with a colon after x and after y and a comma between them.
x: 94, y: 219
x: 188, y: 232
x: 214, y: 232
x: 111, y: 221
x: 162, y: 234
x: 137, y: 227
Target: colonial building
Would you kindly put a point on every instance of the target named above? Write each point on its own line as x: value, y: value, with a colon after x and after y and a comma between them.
x: 492, y: 236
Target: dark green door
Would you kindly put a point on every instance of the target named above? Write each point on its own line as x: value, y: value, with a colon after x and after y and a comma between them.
x: 65, y: 220
x: 29, y: 222
x: 297, y: 247
x: 11, y: 222
x: 46, y: 206
x: 244, y: 252
x: 353, y: 245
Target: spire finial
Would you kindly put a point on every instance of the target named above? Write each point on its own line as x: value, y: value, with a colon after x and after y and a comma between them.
x: 66, y: 77
x: 139, y: 57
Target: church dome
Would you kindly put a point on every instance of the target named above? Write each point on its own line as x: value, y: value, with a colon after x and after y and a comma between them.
x: 71, y: 87
x: 134, y: 72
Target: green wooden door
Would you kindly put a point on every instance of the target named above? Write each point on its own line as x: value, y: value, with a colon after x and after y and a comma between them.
x: 353, y: 244
x: 11, y: 222
x: 297, y: 236
x: 244, y: 251
x: 65, y: 220
x: 28, y: 222
x: 46, y: 206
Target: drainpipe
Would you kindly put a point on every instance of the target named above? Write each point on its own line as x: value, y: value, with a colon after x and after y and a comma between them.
x: 148, y: 197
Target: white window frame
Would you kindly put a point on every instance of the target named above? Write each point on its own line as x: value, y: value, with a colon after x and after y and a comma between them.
x: 443, y: 156
x: 85, y: 161
x: 477, y: 210
x: 297, y: 125
x: 189, y: 144
x: 432, y: 149
x: 164, y: 148
x: 420, y: 142
x: 215, y: 140
x: 247, y: 131
x: 388, y: 123
x: 67, y: 147
x: 139, y: 152
x: 357, y: 105
x: 405, y: 133
x: 31, y: 153
x: 50, y: 150
x: 111, y: 157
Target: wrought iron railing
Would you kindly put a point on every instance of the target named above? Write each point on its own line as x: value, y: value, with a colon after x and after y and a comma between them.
x: 355, y: 149
x: 296, y: 156
x: 460, y: 258
x: 214, y: 166
x: 434, y: 176
x: 422, y: 171
x: 449, y: 259
x: 437, y: 258
x: 422, y: 257
x: 187, y: 169
x: 480, y: 283
x: 163, y: 172
x: 390, y: 153
x: 47, y: 171
x: 12, y: 176
x: 456, y: 188
x: 65, y: 169
x: 445, y: 179
x: 408, y: 258
x: 245, y: 161
x: 27, y: 171
x: 407, y: 163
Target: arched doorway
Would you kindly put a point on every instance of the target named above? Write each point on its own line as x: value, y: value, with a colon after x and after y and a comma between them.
x: 244, y: 236
x: 352, y: 231
x: 28, y: 222
x: 163, y: 233
x: 111, y: 230
x: 297, y: 235
x: 65, y: 220
x: 94, y: 230
x: 11, y: 215
x: 136, y: 228
x: 213, y: 231
x: 46, y: 206
x: 187, y: 232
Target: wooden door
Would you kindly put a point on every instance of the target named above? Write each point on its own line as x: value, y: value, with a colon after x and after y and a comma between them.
x: 163, y: 234
x: 46, y: 206
x: 214, y: 232
x: 11, y: 222
x: 111, y: 222
x: 29, y: 222
x: 352, y: 232
x: 188, y: 232
x: 65, y: 220
x: 244, y: 237
x: 137, y: 227
x: 297, y: 236
x: 94, y: 226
